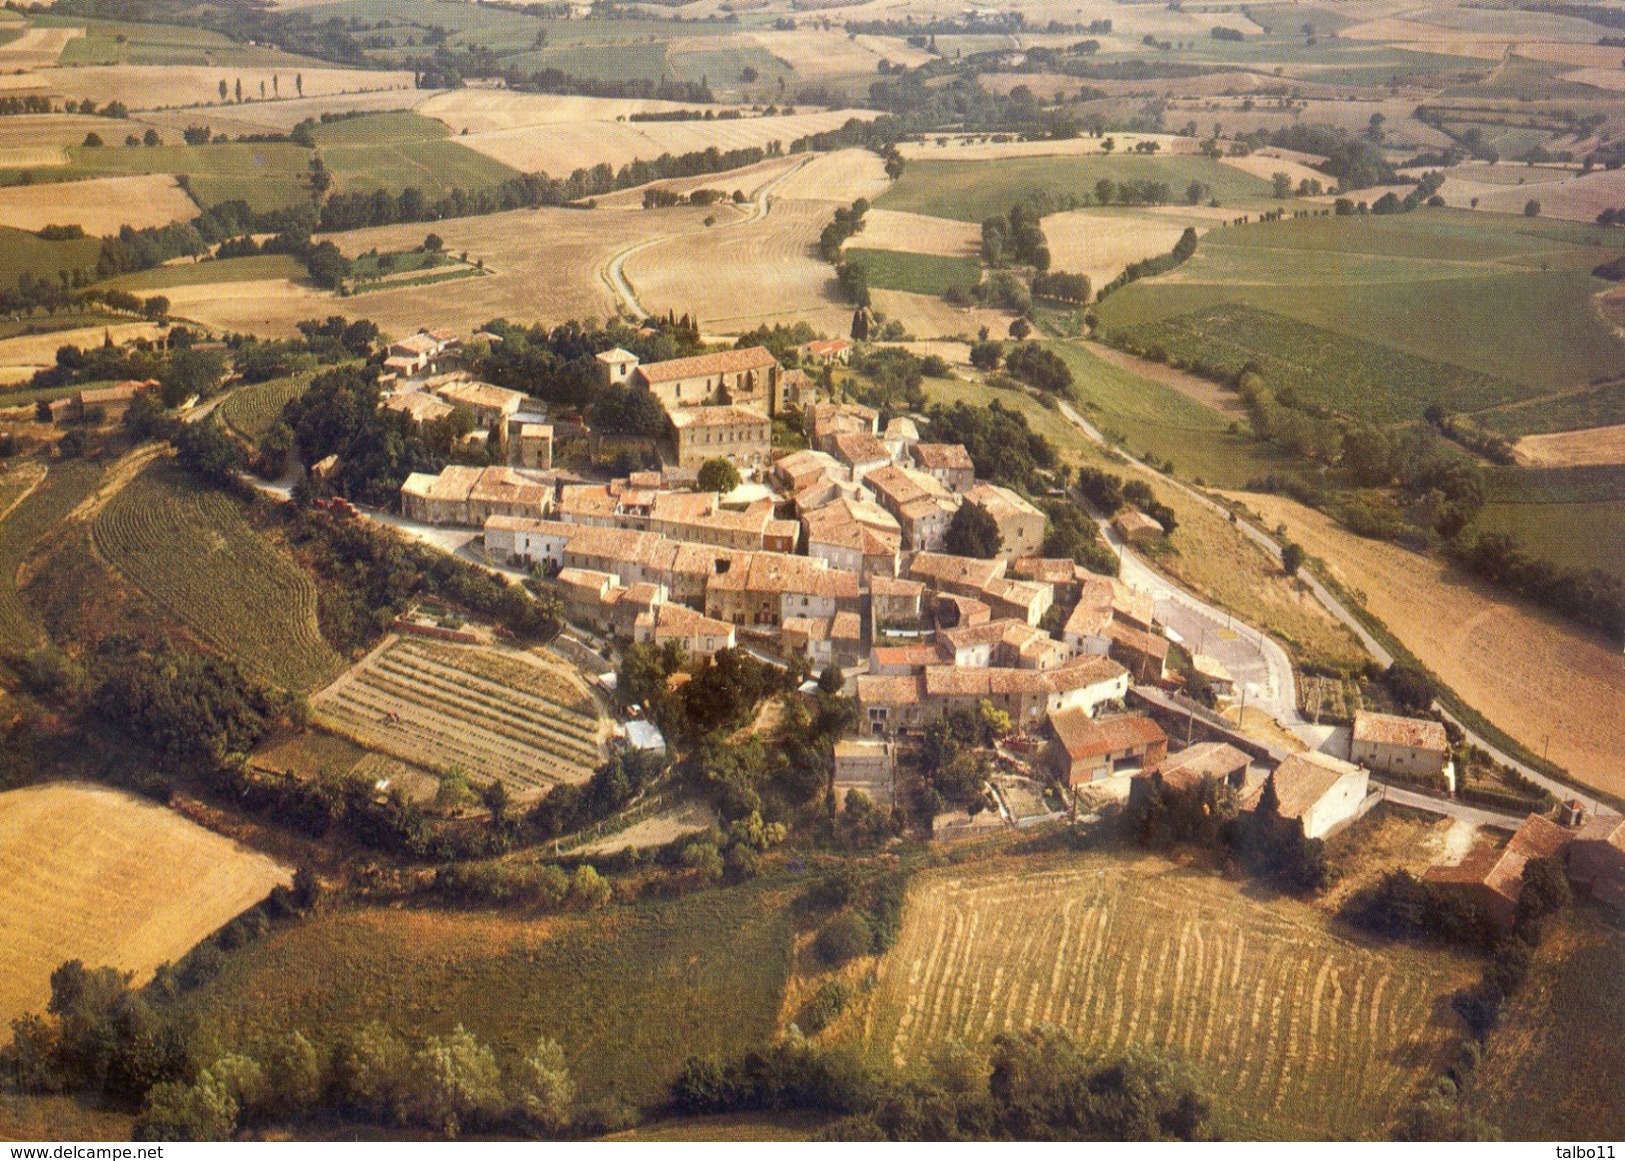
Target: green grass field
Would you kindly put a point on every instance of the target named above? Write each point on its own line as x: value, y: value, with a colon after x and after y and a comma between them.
x: 640, y: 60
x: 1154, y: 418
x: 724, y: 68
x: 64, y: 487
x: 920, y: 273
x: 23, y: 252
x: 629, y: 992
x: 974, y: 190
x: 253, y: 410
x: 190, y: 550
x: 267, y: 176
x: 395, y: 150
x: 255, y: 269
x: 1503, y: 297
x: 1573, y: 515
x: 140, y: 43
x: 1599, y: 406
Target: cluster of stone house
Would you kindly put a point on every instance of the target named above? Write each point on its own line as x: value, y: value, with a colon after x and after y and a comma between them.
x: 1491, y: 879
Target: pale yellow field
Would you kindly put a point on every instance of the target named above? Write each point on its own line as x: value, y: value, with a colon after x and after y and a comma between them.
x: 169, y: 86
x: 1100, y: 243
x: 1611, y: 80
x: 1430, y: 38
x: 37, y: 48
x: 1560, y: 194
x: 20, y: 357
x: 1565, y: 685
x: 95, y: 874
x: 38, y: 139
x: 1297, y: 1032
x: 974, y: 149
x: 748, y: 180
x: 279, y: 116
x: 1567, y: 449
x: 490, y: 110
x: 819, y: 55
x: 1353, y: 116
x: 918, y: 234
x: 926, y: 316
x: 1267, y: 165
x: 562, y: 147
x: 736, y: 277
x: 101, y: 205
x: 1581, y: 55
x: 839, y: 177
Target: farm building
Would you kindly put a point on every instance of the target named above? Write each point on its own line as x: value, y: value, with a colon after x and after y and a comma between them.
x: 747, y: 378
x: 1597, y: 860
x: 868, y: 765
x: 1217, y: 760
x: 698, y: 634
x: 948, y: 463
x: 895, y: 603
x: 112, y: 402
x: 422, y: 406
x: 923, y: 507
x: 1145, y: 654
x: 1020, y: 524
x: 739, y: 435
x: 826, y: 352
x: 861, y: 452
x: 1320, y: 791
x: 490, y: 405
x: 1086, y: 750
x: 1137, y: 528
x: 1492, y: 880
x: 1397, y: 745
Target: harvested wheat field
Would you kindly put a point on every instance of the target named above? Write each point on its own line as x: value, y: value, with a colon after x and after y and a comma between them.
x: 99, y: 875
x: 748, y: 180
x: 563, y: 147
x: 1566, y: 685
x: 1570, y: 449
x: 925, y: 316
x: 817, y: 55
x: 37, y: 48
x: 1609, y: 80
x: 492, y: 110
x: 739, y: 276
x: 281, y: 115
x: 1560, y: 194
x: 20, y: 357
x: 843, y: 176
x: 101, y: 205
x: 1266, y: 166
x: 170, y: 86
x: 269, y: 307
x: 918, y: 234
x: 1295, y: 1031
x: 39, y: 140
x: 1101, y: 243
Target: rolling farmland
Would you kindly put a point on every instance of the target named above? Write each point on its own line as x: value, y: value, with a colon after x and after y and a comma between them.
x: 1296, y: 1031
x: 96, y: 874
x: 100, y: 205
x: 190, y: 549
x: 520, y: 718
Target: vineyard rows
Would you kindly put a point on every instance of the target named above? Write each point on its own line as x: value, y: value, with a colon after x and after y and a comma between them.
x: 253, y: 410
x: 191, y: 551
x: 65, y: 486
x: 528, y: 672
x: 445, y: 707
x: 1297, y: 1033
x: 1348, y: 375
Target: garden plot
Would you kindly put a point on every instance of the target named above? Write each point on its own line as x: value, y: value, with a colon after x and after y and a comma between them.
x: 496, y: 714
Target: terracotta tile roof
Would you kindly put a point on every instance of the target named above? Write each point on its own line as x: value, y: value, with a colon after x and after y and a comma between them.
x: 1389, y: 730
x: 672, y: 621
x: 943, y: 457
x: 1001, y: 503
x: 937, y: 569
x: 970, y: 636
x: 915, y: 656
x: 887, y: 586
x: 1046, y: 569
x: 1608, y: 829
x: 1187, y: 768
x: 482, y: 395
x: 1133, y: 522
x: 888, y: 691
x: 1083, y: 737
x: 684, y: 418
x: 860, y: 447
x: 827, y: 346
x: 720, y: 363
x: 1138, y: 640
x: 503, y: 485
x: 1304, y: 779
x: 1540, y: 838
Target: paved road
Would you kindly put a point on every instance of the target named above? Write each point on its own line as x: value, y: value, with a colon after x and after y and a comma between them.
x: 1443, y: 806
x: 614, y: 273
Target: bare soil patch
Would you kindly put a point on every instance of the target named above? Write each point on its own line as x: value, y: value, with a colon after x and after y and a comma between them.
x: 106, y: 877
x: 1568, y: 449
x: 1530, y: 673
x: 656, y: 830
x: 101, y: 205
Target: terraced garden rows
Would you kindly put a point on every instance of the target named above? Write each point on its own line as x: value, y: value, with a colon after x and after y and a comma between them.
x: 64, y: 487
x: 191, y: 551
x: 1294, y: 1031
x: 469, y: 708
x: 252, y: 411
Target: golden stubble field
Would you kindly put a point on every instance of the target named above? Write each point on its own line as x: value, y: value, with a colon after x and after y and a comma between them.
x: 20, y: 357
x: 1293, y: 1029
x: 170, y: 86
x: 1569, y: 449
x: 1540, y: 680
x: 1101, y: 243
x: 102, y: 876
x: 101, y: 205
